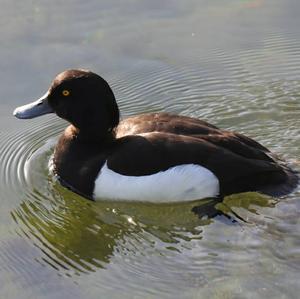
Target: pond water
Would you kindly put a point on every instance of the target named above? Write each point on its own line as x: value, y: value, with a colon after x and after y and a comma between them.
x: 234, y: 63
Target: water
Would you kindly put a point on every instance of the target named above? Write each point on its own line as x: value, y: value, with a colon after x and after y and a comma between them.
x: 233, y: 63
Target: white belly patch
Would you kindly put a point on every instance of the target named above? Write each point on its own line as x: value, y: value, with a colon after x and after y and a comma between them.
x: 180, y: 183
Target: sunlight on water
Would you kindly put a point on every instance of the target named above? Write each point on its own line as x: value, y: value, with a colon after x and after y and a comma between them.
x: 235, y: 64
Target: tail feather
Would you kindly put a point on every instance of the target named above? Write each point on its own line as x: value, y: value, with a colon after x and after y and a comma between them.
x: 283, y: 187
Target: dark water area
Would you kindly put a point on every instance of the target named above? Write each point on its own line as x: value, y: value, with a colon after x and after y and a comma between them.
x: 233, y: 63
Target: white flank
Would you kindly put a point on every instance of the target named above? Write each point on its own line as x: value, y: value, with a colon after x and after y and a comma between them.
x: 180, y: 183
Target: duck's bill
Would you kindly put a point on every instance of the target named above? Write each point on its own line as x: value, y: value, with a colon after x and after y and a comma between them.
x: 37, y: 108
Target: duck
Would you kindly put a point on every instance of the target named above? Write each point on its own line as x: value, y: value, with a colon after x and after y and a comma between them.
x: 152, y: 157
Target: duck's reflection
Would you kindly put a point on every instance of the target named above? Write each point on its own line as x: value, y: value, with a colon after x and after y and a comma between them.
x: 77, y: 235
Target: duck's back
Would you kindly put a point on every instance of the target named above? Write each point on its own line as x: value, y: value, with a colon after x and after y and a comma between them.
x: 167, y: 123
x: 196, y: 128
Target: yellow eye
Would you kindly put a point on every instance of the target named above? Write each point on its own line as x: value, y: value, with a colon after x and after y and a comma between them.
x: 66, y: 92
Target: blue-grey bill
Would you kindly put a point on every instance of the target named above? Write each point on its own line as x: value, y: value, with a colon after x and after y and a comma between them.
x: 34, y: 109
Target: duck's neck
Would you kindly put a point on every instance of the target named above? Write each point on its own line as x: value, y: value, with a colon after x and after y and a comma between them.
x: 92, y: 135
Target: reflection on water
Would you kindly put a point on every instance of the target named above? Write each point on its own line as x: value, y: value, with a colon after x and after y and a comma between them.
x: 77, y: 235
x: 234, y: 63
x: 245, y: 201
x: 80, y: 235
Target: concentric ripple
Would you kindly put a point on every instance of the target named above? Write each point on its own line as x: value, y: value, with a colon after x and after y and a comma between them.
x: 18, y: 148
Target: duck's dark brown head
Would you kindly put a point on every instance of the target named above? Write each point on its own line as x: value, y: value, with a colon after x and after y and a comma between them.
x: 81, y: 97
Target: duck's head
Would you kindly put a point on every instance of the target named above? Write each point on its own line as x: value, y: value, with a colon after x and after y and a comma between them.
x: 79, y: 96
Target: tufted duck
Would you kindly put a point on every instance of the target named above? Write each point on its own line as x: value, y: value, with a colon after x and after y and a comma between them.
x: 156, y: 157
